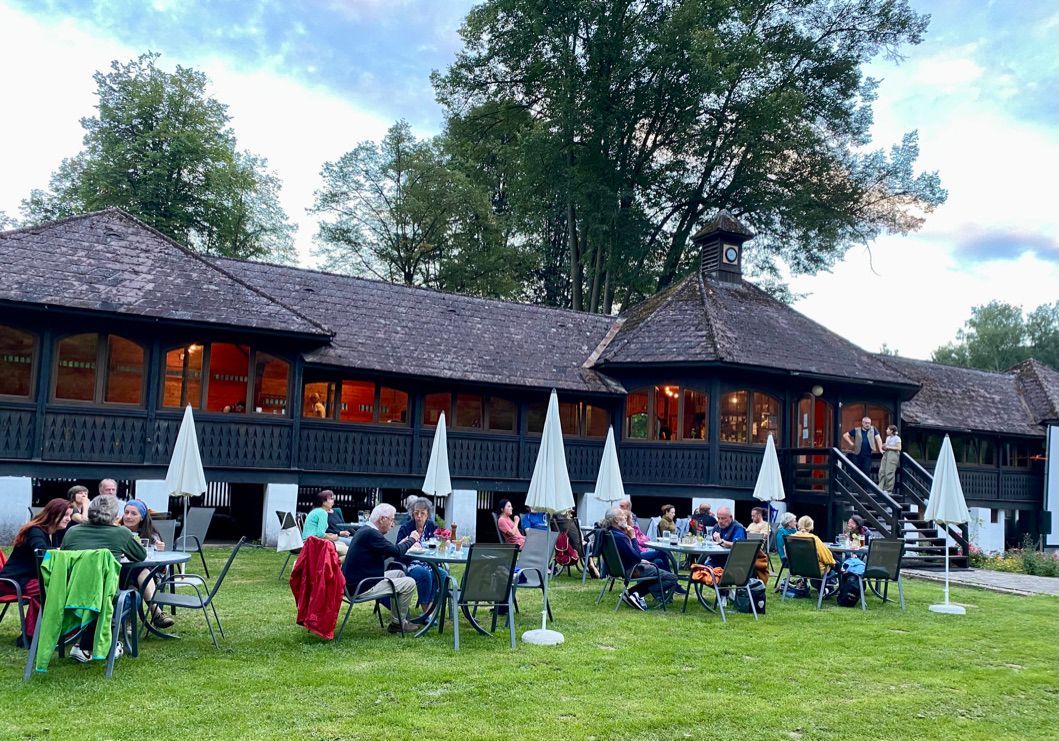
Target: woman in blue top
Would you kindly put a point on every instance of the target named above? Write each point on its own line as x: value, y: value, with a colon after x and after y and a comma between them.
x: 422, y: 522
x: 788, y: 526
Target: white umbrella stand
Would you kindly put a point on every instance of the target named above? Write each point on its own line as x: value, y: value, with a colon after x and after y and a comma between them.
x: 185, y: 477
x: 550, y: 492
x: 947, y: 506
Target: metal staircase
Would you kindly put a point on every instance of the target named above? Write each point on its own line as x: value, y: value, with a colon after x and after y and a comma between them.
x: 827, y: 472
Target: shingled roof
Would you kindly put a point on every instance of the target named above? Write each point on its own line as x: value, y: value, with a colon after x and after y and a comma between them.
x: 1040, y: 388
x: 109, y: 261
x: 965, y: 399
x: 396, y: 329
x: 706, y: 320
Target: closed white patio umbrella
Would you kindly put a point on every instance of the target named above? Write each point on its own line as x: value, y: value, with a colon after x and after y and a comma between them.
x: 185, y: 477
x: 769, y: 486
x: 609, y: 487
x: 549, y: 491
x: 437, y: 482
x: 947, y: 506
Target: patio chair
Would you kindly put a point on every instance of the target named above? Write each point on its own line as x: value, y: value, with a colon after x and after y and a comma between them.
x: 19, y: 600
x: 357, y: 596
x: 487, y: 582
x: 644, y: 524
x: 203, y: 598
x: 289, y: 520
x: 802, y: 562
x: 126, y: 608
x: 884, y: 564
x: 652, y: 529
x: 193, y: 534
x: 615, y: 571
x: 166, y: 530
x: 534, y: 562
x: 34, y: 511
x: 593, y: 549
x: 496, y: 526
x: 738, y: 570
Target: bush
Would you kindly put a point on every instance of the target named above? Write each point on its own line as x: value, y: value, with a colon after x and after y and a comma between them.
x: 1024, y: 560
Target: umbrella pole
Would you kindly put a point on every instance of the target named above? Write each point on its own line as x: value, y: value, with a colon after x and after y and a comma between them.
x: 544, y: 613
x: 946, y: 566
x: 184, y: 526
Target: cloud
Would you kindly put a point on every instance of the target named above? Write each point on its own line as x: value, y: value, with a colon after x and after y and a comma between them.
x: 1001, y: 245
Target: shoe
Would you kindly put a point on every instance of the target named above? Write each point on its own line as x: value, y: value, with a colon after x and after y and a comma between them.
x: 79, y: 654
x: 119, y: 650
x: 161, y: 620
x: 631, y: 600
x: 641, y: 601
x: 592, y: 570
x: 408, y: 627
x: 420, y: 619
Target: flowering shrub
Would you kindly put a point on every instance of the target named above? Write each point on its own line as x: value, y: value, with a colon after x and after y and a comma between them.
x: 1024, y: 560
x: 442, y: 533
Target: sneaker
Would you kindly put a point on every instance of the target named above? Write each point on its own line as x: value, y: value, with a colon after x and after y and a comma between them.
x: 410, y: 628
x: 161, y: 620
x: 79, y: 654
x: 119, y: 650
x: 640, y: 601
x: 631, y: 600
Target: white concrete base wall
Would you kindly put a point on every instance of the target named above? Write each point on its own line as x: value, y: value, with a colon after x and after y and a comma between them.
x: 278, y: 498
x: 988, y: 536
x: 462, y: 508
x: 152, y: 492
x: 16, y: 494
x: 591, y: 510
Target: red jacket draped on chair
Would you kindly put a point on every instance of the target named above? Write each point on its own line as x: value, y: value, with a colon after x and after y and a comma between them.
x: 318, y: 584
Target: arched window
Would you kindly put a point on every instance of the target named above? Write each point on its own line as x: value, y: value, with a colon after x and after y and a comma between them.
x: 234, y: 379
x: 270, y: 384
x: 667, y: 412
x: 358, y: 402
x: 393, y: 406
x: 17, y: 351
x: 182, y: 384
x: 229, y: 371
x: 749, y: 417
x: 78, y: 360
x: 854, y: 412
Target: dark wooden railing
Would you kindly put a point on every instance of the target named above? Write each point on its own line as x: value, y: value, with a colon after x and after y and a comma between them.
x: 913, y: 486
x: 879, y: 509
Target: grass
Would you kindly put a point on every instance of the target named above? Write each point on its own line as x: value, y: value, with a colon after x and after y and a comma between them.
x: 795, y: 674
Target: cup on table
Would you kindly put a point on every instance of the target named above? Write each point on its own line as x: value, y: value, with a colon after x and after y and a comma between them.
x: 432, y: 544
x: 458, y: 545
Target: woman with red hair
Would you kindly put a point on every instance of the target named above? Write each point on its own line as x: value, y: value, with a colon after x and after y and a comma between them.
x: 43, y: 532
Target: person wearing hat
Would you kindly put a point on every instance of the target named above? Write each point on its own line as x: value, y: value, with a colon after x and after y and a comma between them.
x: 137, y: 518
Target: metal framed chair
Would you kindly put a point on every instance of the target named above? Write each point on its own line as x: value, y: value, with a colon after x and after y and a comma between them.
x: 487, y: 582
x: 884, y: 564
x: 19, y: 600
x: 358, y: 596
x: 593, y: 550
x: 738, y: 570
x: 193, y: 533
x: 534, y: 561
x: 616, y: 570
x: 802, y: 562
x: 496, y: 526
x: 166, y: 530
x: 202, y: 599
x: 289, y: 520
x: 34, y: 511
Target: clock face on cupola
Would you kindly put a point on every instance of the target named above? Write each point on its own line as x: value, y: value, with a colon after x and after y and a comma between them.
x: 721, y: 243
x: 731, y: 254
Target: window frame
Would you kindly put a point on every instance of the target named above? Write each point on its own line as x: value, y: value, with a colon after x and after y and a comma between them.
x: 651, y: 391
x: 748, y: 410
x: 34, y: 361
x: 336, y: 411
x: 102, y: 372
x: 485, y: 429
x: 207, y: 370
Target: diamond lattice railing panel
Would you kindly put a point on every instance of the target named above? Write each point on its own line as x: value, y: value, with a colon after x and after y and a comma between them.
x: 664, y: 463
x: 362, y: 451
x: 740, y: 467
x: 16, y: 434
x: 228, y: 444
x: 92, y: 437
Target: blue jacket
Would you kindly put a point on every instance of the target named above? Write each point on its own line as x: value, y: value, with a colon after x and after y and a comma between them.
x: 409, y: 525
x: 627, y: 552
x: 732, y: 533
x: 781, y: 547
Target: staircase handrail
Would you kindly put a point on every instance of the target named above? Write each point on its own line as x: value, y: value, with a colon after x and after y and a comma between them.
x: 873, y: 492
x: 924, y: 478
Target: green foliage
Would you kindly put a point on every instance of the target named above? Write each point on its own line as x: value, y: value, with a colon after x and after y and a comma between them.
x: 887, y: 672
x: 401, y: 211
x: 160, y: 147
x: 1024, y: 560
x: 997, y: 336
x: 887, y: 350
x: 624, y: 124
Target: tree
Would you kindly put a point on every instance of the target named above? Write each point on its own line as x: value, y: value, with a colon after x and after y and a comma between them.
x: 161, y: 148
x: 997, y: 336
x: 6, y: 222
x: 645, y: 116
x: 400, y: 210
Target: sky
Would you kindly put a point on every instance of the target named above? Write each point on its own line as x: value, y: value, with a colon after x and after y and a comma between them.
x: 306, y: 81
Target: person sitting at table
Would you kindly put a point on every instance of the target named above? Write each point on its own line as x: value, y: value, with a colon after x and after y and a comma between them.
x: 651, y: 555
x: 855, y: 527
x: 368, y: 551
x: 422, y: 522
x: 635, y: 566
x: 508, y: 524
x: 823, y: 553
x: 78, y: 498
x: 43, y: 532
x: 102, y: 531
x: 703, y: 517
x: 727, y: 531
x: 137, y: 518
x: 758, y: 522
x: 668, y: 522
x: 316, y: 523
x: 788, y: 526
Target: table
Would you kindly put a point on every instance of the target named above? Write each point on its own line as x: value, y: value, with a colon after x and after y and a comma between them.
x: 433, y: 558
x: 154, y: 563
x: 351, y: 526
x: 708, y: 548
x: 845, y: 550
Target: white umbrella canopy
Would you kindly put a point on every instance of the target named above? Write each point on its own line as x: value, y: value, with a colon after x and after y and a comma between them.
x: 609, y: 487
x: 947, y: 506
x: 769, y: 486
x: 437, y: 482
x: 549, y: 491
x: 185, y: 477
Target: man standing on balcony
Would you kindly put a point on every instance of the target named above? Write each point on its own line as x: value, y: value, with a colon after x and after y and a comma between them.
x: 864, y: 441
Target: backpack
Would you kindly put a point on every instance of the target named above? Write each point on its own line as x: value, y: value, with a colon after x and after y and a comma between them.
x: 848, y: 591
x: 757, y: 593
x: 798, y: 588
x: 564, y: 553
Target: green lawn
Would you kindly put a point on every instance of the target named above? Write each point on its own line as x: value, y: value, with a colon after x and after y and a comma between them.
x: 795, y: 674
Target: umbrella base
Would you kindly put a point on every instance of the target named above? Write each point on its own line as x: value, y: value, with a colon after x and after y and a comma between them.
x: 543, y: 637
x: 948, y: 609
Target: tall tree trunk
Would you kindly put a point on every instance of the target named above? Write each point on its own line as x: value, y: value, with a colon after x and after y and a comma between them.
x: 597, y: 270
x: 575, y: 254
x: 608, y: 294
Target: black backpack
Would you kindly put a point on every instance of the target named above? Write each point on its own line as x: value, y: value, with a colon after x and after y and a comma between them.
x: 757, y: 591
x: 848, y: 591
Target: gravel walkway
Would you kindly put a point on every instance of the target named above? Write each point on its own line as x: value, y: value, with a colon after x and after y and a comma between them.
x: 997, y: 581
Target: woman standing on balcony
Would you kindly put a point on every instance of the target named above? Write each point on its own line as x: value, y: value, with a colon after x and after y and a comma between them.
x: 890, y: 460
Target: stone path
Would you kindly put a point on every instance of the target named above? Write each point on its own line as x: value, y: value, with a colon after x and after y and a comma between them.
x: 997, y: 581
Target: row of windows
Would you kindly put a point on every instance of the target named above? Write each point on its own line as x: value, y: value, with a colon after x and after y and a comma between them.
x: 672, y: 412
x: 976, y: 451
